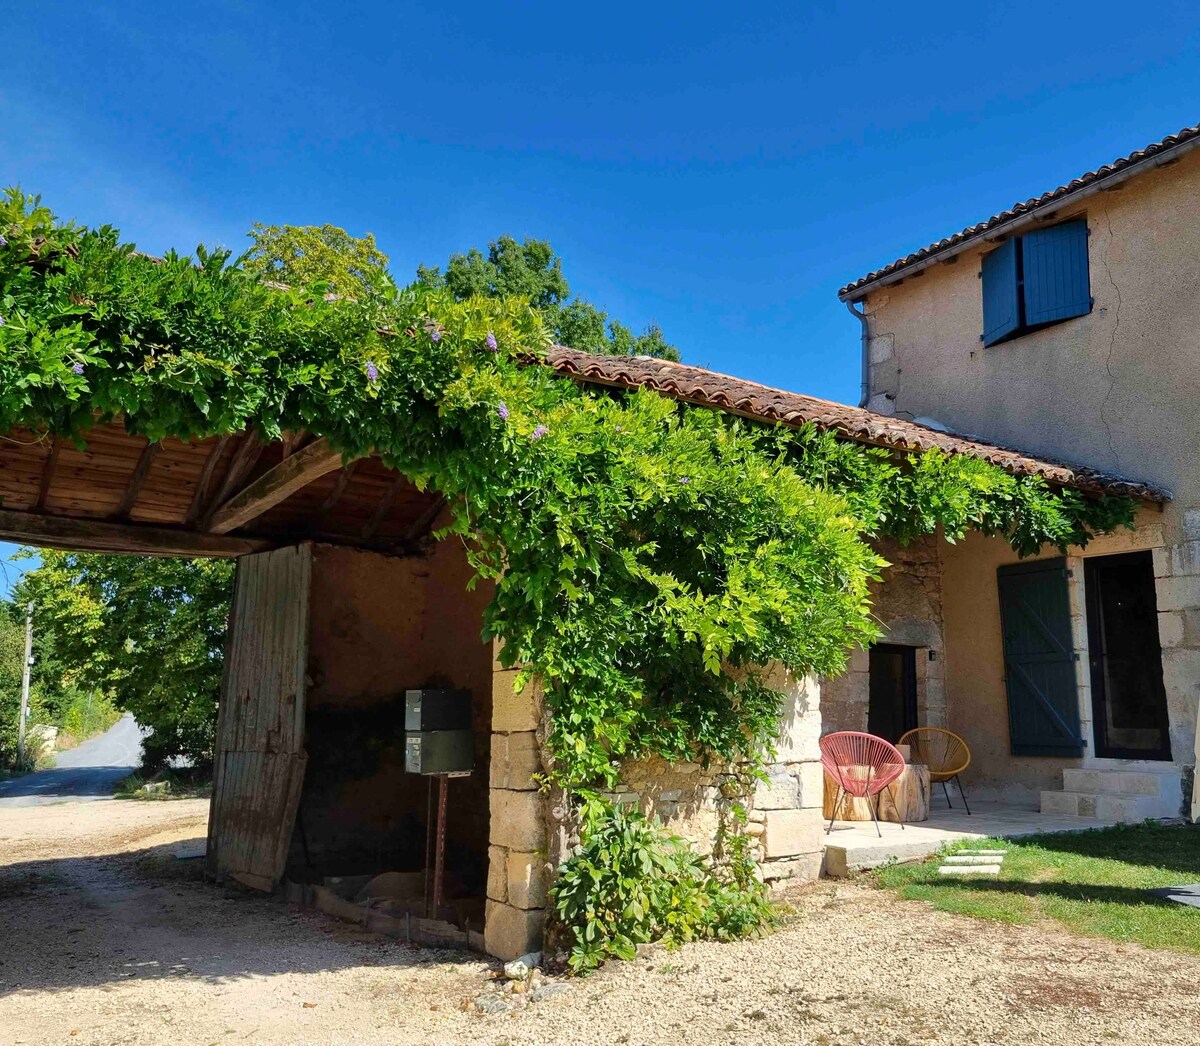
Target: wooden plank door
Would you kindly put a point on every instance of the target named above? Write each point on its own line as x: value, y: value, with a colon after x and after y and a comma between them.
x: 1039, y: 659
x: 260, y: 757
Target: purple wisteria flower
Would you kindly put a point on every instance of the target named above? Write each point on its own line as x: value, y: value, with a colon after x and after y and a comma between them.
x: 3, y: 241
x: 3, y: 321
x: 539, y: 432
x: 435, y: 335
x: 685, y: 480
x: 502, y: 410
x: 372, y: 372
x: 78, y: 368
x: 491, y: 342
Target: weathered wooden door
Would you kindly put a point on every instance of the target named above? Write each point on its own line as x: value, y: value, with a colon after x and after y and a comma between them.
x: 260, y: 758
x: 1039, y: 659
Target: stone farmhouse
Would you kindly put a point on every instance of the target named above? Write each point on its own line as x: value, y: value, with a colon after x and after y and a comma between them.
x: 1063, y: 327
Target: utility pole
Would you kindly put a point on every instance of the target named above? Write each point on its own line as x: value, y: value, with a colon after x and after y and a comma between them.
x: 25, y: 683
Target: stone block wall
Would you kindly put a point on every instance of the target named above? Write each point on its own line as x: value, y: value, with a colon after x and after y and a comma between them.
x: 530, y: 833
x: 1177, y: 587
x: 518, y: 851
x: 908, y: 606
x: 783, y: 812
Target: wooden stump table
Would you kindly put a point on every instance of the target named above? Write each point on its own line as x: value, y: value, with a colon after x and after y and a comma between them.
x: 911, y: 798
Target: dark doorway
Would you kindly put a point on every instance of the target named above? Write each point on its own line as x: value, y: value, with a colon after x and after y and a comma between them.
x: 1128, y: 700
x: 893, y: 707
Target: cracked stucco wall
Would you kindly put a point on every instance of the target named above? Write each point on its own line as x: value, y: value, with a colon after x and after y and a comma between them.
x: 1128, y: 369
x: 1117, y: 389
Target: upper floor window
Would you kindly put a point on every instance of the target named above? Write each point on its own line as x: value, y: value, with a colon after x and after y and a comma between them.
x: 1034, y: 280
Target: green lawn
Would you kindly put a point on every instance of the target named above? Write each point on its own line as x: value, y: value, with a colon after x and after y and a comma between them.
x: 1092, y: 882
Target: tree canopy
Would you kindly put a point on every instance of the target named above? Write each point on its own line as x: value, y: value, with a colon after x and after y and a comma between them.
x: 532, y: 270
x: 149, y: 632
x: 307, y: 255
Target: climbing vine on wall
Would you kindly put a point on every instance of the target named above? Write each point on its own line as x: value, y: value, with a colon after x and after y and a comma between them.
x: 647, y: 555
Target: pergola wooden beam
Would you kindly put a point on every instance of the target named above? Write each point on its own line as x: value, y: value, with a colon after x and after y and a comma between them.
x: 245, y: 457
x: 383, y: 507
x: 424, y: 522
x: 94, y: 535
x: 206, y: 474
x: 321, y: 516
x: 47, y: 475
x: 290, y: 475
x: 136, y: 481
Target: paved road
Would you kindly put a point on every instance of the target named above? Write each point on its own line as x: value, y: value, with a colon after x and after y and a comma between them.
x: 81, y: 774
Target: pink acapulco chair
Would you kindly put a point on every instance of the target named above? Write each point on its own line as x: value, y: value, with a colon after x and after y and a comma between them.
x: 863, y: 765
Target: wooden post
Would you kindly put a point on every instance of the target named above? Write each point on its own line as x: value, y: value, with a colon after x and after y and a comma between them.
x: 25, y: 667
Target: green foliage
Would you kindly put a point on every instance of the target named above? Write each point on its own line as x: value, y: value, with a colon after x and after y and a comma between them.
x: 12, y: 651
x: 55, y: 696
x: 148, y: 632
x: 165, y: 785
x: 532, y: 270
x: 85, y: 713
x: 306, y: 255
x: 631, y: 883
x: 1095, y: 883
x: 647, y: 556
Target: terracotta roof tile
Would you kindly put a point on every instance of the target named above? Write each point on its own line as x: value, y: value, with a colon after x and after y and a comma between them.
x: 749, y: 399
x: 1054, y: 196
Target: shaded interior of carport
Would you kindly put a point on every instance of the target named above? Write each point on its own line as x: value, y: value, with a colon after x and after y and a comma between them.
x: 342, y: 602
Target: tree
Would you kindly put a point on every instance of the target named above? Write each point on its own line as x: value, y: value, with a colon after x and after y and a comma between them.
x: 148, y: 631
x: 12, y: 651
x: 532, y: 270
x: 304, y: 255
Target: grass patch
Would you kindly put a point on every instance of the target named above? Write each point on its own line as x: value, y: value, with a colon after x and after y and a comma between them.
x: 1094, y: 883
x: 167, y: 784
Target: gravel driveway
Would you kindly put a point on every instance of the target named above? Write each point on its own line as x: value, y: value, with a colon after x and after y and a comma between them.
x: 109, y: 938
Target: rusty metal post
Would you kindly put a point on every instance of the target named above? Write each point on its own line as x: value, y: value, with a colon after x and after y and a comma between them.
x: 440, y: 852
x: 429, y: 840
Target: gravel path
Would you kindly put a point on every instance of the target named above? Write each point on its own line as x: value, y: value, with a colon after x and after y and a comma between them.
x: 108, y: 938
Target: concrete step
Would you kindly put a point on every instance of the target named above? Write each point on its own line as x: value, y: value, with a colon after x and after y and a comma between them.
x: 969, y: 869
x: 1107, y: 806
x: 1161, y: 784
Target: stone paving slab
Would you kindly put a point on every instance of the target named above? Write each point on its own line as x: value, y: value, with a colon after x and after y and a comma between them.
x: 969, y: 869
x: 853, y: 845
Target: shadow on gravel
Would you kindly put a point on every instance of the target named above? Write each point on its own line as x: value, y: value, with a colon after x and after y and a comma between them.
x: 89, y: 921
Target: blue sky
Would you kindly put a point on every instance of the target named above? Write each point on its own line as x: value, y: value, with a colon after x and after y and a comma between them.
x: 718, y: 169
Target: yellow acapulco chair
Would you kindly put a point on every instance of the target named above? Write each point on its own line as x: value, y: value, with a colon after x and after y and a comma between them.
x: 944, y: 752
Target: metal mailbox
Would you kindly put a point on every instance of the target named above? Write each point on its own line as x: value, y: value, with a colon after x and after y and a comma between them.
x: 437, y: 709
x: 439, y: 752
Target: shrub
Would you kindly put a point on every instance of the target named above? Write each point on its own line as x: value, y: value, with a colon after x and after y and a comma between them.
x: 632, y: 882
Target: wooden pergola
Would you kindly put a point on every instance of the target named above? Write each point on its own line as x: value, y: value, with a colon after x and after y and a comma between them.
x: 224, y: 496
x: 234, y: 495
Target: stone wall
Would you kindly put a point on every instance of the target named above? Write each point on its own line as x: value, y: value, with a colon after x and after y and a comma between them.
x: 907, y: 605
x: 519, y: 860
x: 1177, y: 587
x: 531, y: 833
x: 783, y: 813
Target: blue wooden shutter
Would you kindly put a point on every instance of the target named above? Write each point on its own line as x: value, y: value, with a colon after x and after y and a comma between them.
x: 1055, y: 262
x: 1001, y: 314
x: 1039, y: 659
